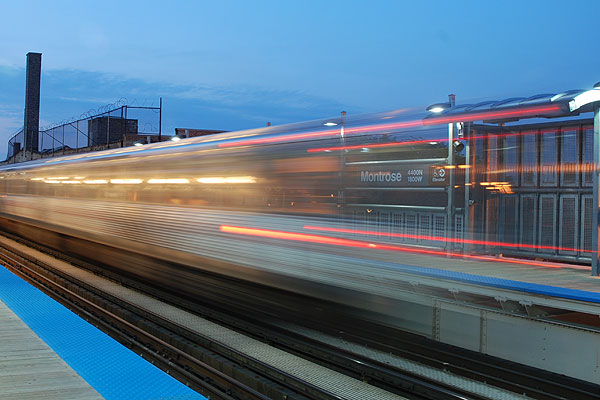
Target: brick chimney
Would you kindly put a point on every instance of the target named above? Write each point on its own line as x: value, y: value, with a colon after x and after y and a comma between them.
x: 32, y: 101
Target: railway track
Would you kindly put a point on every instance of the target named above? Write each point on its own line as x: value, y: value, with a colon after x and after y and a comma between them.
x: 184, y: 352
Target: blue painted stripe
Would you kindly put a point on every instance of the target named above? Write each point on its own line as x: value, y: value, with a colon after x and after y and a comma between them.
x: 519, y: 286
x: 112, y: 369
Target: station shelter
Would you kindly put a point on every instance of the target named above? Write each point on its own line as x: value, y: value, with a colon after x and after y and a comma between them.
x: 522, y: 180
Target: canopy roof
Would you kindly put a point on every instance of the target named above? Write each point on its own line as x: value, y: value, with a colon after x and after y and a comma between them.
x: 547, y: 105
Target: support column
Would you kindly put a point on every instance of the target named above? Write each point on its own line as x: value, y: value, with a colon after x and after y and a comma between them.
x: 467, y: 231
x: 596, y: 194
x: 450, y: 188
x: 159, y: 120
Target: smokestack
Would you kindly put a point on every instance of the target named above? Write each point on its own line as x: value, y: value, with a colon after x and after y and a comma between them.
x: 32, y: 101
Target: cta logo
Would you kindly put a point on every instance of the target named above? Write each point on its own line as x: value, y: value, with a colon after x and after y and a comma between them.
x: 380, y: 176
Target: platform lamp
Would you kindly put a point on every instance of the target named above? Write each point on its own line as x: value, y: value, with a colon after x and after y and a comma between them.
x: 439, y: 107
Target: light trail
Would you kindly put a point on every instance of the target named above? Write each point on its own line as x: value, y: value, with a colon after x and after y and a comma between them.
x: 439, y: 238
x: 532, y: 111
x: 333, y: 241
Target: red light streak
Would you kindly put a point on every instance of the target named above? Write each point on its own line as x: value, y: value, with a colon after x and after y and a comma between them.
x: 438, y: 238
x: 491, y: 115
x: 413, y: 142
x: 310, y: 238
x: 393, y: 126
x: 371, y: 146
x: 276, y: 139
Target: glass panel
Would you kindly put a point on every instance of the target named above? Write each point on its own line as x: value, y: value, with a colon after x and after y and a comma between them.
x: 569, y: 159
x: 549, y: 158
x: 493, y: 155
x: 511, y: 161
x: 529, y: 159
x: 588, y: 156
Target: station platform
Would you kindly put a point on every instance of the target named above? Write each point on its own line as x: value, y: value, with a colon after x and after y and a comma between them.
x: 528, y: 282
x: 557, y: 280
x: 560, y: 280
x: 374, y: 262
x: 47, y: 352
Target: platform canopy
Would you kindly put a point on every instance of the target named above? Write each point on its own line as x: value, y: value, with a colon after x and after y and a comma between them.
x: 548, y: 105
x: 570, y: 103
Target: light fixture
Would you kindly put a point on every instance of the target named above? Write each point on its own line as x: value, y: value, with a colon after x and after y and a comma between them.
x: 138, y: 143
x: 585, y: 98
x: 175, y: 138
x: 458, y: 146
x: 438, y: 107
x: 330, y: 123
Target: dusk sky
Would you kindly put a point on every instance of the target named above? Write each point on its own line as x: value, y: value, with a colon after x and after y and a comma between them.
x: 238, y: 64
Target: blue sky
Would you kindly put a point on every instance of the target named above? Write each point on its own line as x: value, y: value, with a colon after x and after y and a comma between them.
x: 238, y: 64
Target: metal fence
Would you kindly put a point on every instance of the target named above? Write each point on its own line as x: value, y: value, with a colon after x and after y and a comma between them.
x: 111, y: 127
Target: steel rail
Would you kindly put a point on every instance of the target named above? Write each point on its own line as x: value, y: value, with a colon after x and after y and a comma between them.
x: 405, y: 345
x: 196, y: 373
x: 396, y: 381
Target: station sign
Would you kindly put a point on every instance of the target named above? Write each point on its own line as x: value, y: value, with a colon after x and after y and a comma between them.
x: 399, y: 176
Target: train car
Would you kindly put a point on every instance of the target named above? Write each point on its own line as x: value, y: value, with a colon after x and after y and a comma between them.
x: 327, y: 208
x: 231, y: 203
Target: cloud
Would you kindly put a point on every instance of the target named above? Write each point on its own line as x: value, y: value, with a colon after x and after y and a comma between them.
x: 10, y: 123
x: 69, y: 94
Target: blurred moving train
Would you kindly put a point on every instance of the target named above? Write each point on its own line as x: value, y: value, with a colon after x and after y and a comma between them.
x: 324, y: 208
x: 228, y: 203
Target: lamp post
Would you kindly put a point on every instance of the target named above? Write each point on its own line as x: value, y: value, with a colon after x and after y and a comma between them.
x: 342, y: 123
x: 436, y: 109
